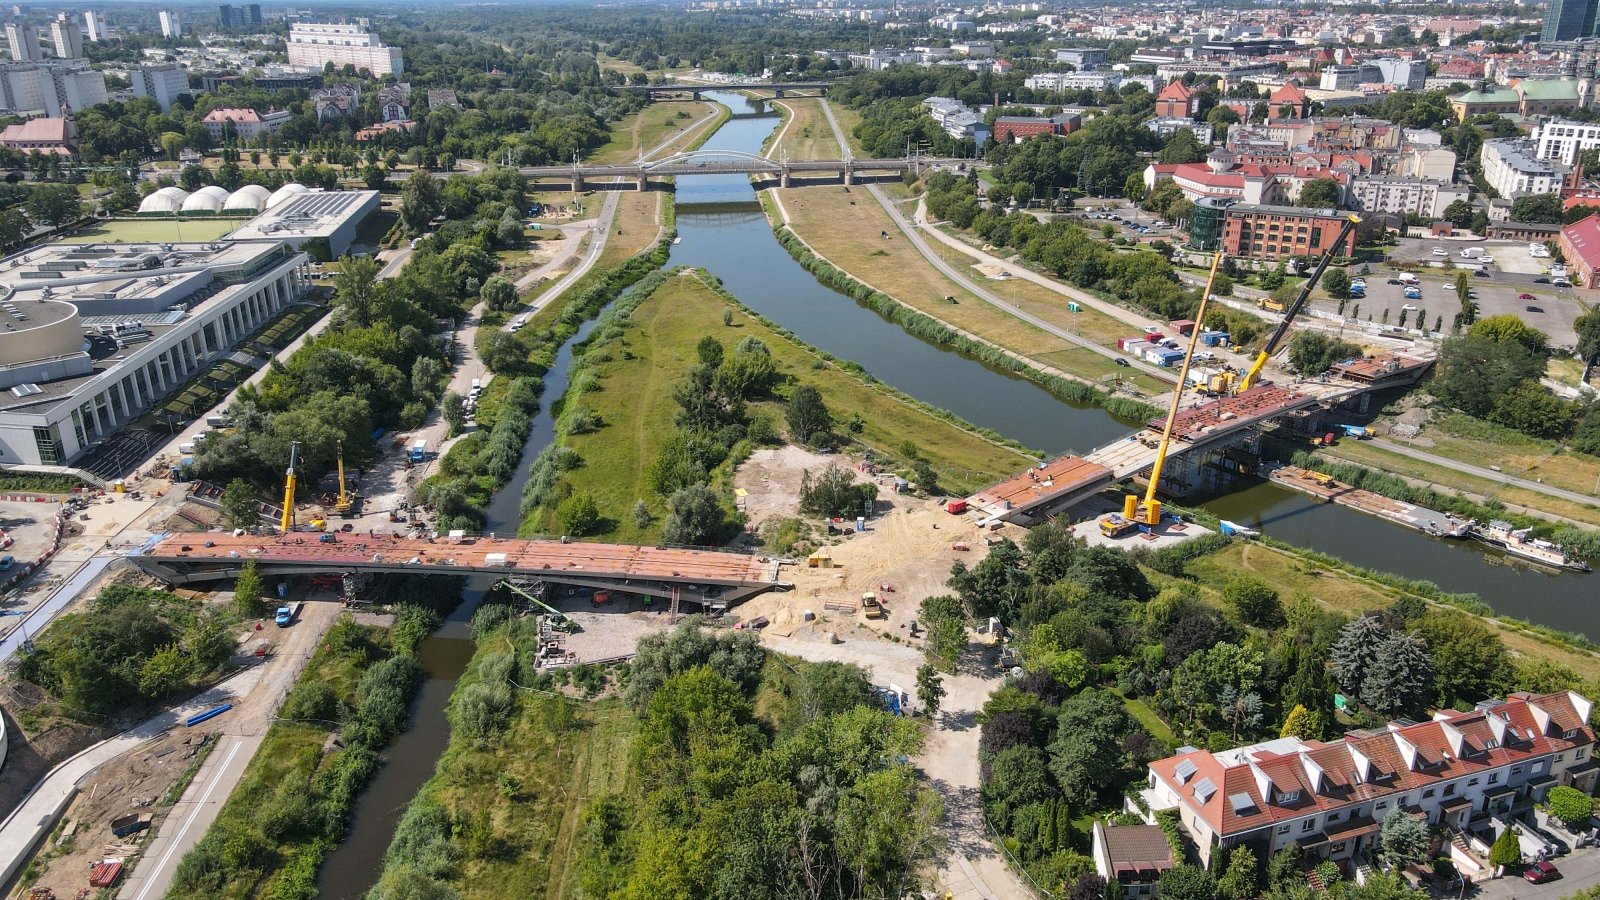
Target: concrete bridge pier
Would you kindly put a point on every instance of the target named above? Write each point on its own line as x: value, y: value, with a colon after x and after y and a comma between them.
x: 783, y: 177
x: 779, y: 93
x: 577, y: 181
x: 642, y: 182
x: 849, y: 175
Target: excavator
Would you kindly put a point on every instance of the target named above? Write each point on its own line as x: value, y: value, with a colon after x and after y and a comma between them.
x: 1149, y: 513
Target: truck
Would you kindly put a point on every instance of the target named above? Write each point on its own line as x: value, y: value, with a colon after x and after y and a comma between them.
x: 419, y: 450
x: 1113, y: 526
x: 870, y: 606
x: 1272, y: 304
x: 287, y: 614
x: 1472, y: 253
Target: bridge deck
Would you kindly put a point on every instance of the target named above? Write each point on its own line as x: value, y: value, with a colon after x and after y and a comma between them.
x: 357, y: 552
x: 1060, y: 481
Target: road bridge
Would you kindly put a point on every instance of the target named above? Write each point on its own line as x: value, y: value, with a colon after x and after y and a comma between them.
x: 677, y: 90
x: 679, y: 575
x: 729, y: 162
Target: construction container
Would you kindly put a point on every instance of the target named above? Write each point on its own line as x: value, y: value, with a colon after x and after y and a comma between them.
x: 861, y: 524
x: 955, y: 507
x: 1184, y: 327
x: 1124, y: 343
x: 1213, y: 338
x: 1137, y: 348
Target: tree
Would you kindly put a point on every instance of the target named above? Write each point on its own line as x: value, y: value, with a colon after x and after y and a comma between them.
x: 1459, y: 213
x: 945, y: 622
x: 1301, y: 723
x: 808, y: 417
x: 579, y: 515
x: 1182, y: 147
x: 1336, y: 282
x: 54, y: 205
x: 1355, y: 650
x: 498, y: 293
x: 1572, y: 807
x: 420, y: 201
x: 247, y: 591
x: 453, y: 409
x: 1401, y: 676
x: 1588, y: 328
x: 240, y: 506
x: 1314, y: 352
x: 1506, y: 849
x: 836, y: 493
x: 1187, y: 882
x: 355, y: 287
x: 1403, y: 840
x: 696, y: 517
x: 1320, y: 193
x: 1470, y: 661
x: 172, y: 144
x: 1504, y: 329
x: 1087, y: 757
x: 1239, y: 882
x: 930, y: 688
x: 1254, y: 601
x: 1538, y: 208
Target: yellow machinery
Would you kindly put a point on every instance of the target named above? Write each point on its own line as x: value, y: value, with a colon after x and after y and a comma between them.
x: 345, y: 505
x: 287, y: 523
x: 1249, y: 379
x: 1152, y: 506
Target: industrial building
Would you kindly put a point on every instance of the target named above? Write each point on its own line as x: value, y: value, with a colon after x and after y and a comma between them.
x: 334, y: 216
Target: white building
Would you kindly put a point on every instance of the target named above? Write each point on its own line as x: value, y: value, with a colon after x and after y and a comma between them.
x: 68, y: 37
x: 247, y: 124
x: 1402, y: 196
x: 1512, y: 167
x: 44, y: 88
x: 1072, y: 81
x: 1083, y: 58
x: 24, y: 42
x: 94, y: 26
x: 171, y: 25
x: 161, y: 82
x: 1563, y: 139
x: 315, y: 44
x: 1166, y: 126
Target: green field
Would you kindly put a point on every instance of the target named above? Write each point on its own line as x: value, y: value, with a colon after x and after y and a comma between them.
x: 154, y: 230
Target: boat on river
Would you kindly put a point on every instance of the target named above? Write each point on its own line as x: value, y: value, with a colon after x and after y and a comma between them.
x: 1521, y: 543
x: 1234, y: 529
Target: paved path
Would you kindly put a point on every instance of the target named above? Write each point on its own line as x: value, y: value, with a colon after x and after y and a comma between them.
x: 1484, y: 472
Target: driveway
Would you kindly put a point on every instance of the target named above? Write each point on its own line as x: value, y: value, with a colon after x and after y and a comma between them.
x: 1579, y: 870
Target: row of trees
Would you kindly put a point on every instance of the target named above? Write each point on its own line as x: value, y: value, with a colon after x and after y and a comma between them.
x: 1493, y: 372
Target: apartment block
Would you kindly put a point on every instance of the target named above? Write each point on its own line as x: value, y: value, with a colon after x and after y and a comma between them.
x: 1405, y: 196
x: 1276, y: 232
x: 161, y: 82
x: 316, y: 44
x: 1512, y: 167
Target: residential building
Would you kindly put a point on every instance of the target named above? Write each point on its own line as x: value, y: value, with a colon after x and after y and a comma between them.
x: 335, y: 101
x: 247, y: 124
x: 1404, y: 196
x: 171, y: 24
x: 1288, y: 101
x: 1084, y: 59
x: 1568, y: 20
x: 1406, y: 74
x: 394, y: 102
x: 1226, y: 176
x: 1073, y: 81
x: 1177, y: 101
x: 1132, y: 857
x: 1278, y: 232
x: 1580, y: 247
x: 1459, y: 772
x: 1167, y: 127
x: 68, y: 36
x: 52, y: 137
x: 376, y: 132
x: 161, y: 82
x: 1512, y: 167
x: 1563, y: 139
x: 50, y: 87
x: 239, y: 16
x: 316, y: 44
x: 1016, y: 129
x: 441, y: 97
x: 23, y: 41
x: 1344, y: 78
x: 94, y: 26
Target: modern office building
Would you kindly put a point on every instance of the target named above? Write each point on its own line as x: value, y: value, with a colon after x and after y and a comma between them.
x: 94, y: 26
x: 1459, y: 772
x: 161, y: 82
x: 171, y: 24
x: 1513, y: 168
x: 239, y: 16
x: 316, y: 44
x: 24, y: 42
x: 68, y: 36
x: 47, y: 88
x: 1568, y: 20
x: 1083, y: 58
x: 1563, y: 139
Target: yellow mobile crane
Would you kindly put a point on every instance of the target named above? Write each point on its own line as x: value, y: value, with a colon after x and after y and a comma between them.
x: 287, y: 522
x: 345, y: 505
x: 1271, y: 347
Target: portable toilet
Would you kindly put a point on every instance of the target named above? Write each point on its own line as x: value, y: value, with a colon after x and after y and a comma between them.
x: 861, y: 524
x: 1072, y: 306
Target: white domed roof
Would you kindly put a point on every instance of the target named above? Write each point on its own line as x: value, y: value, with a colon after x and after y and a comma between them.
x: 166, y: 200
x: 287, y: 192
x: 252, y: 197
x: 207, y: 199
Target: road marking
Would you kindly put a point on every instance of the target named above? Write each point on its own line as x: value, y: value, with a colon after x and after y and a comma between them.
x: 161, y: 864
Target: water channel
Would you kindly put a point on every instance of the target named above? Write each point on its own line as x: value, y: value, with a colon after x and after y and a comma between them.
x: 723, y: 230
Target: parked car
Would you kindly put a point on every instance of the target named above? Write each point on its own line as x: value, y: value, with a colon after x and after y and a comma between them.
x: 1561, y: 282
x: 1394, y: 281
x: 1540, y: 872
x: 1532, y: 308
x: 1526, y: 297
x: 1541, y: 280
x: 1122, y: 362
x: 1440, y: 251
x: 1480, y: 274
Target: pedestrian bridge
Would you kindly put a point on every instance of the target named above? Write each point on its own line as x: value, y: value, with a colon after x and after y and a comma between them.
x: 695, y: 576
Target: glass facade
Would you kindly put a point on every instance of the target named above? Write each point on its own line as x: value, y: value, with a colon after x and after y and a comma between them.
x: 1205, y: 224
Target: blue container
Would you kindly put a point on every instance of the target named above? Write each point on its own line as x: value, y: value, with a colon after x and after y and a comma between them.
x: 861, y: 523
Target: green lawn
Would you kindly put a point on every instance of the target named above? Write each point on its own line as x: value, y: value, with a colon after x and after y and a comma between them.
x: 1148, y: 718
x: 155, y: 230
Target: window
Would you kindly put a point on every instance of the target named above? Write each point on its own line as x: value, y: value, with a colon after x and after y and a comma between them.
x: 1382, y: 804
x: 1450, y: 790
x: 1560, y: 757
x: 1283, y: 829
x: 1427, y: 793
x: 1494, y: 777
x: 1516, y: 770
x: 1333, y: 817
x: 1472, y: 782
x: 1288, y: 796
x: 1308, y: 824
x: 1578, y: 753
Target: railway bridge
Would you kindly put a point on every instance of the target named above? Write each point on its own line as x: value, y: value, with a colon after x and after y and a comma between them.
x: 702, y: 577
x: 728, y: 162
x: 680, y: 91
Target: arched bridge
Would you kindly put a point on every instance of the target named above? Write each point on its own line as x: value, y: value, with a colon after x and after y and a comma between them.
x: 780, y: 89
x: 693, y: 576
x: 727, y: 162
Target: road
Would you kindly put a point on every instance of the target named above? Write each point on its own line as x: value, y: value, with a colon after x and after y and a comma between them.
x: 1485, y: 473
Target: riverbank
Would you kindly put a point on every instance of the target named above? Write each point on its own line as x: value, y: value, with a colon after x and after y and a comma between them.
x: 619, y: 410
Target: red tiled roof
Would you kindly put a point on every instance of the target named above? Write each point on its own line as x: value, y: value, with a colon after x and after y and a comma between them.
x: 1175, y: 90
x: 1584, y: 237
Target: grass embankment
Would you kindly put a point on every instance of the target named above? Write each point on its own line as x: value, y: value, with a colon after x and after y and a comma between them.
x: 938, y: 332
x: 1465, y: 439
x: 627, y: 378
x: 289, y: 809
x: 805, y: 131
x: 648, y: 129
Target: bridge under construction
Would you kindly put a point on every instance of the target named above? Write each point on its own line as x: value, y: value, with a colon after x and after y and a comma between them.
x: 786, y: 173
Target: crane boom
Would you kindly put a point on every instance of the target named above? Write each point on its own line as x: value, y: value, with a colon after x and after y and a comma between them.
x: 287, y: 522
x: 342, y: 505
x: 1249, y: 380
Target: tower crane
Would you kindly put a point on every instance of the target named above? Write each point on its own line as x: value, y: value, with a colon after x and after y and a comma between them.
x: 287, y: 522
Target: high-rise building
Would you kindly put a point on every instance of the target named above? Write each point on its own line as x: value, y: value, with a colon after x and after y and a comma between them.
x: 49, y: 88
x: 68, y: 37
x: 315, y: 44
x: 1568, y: 20
x: 171, y: 26
x: 161, y: 82
x: 239, y: 15
x: 24, y: 42
x: 94, y: 26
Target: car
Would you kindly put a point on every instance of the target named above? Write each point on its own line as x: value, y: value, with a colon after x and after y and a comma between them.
x: 1531, y: 308
x: 1122, y: 362
x: 1525, y: 297
x: 1409, y: 307
x: 1561, y: 282
x: 1541, y: 280
x: 1394, y: 281
x: 7, y: 562
x: 1440, y: 251
x: 1480, y: 274
x: 1540, y: 872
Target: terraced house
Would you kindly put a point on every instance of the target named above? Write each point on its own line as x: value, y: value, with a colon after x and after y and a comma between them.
x: 1460, y: 771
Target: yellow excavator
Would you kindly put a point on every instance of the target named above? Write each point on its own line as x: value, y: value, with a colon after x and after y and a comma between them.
x: 287, y: 522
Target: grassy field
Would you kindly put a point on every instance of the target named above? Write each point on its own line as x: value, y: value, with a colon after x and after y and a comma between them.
x: 1461, y: 438
x: 807, y: 135
x: 1295, y: 578
x: 155, y: 230
x: 848, y: 120
x: 634, y: 400
x: 647, y: 129
x: 846, y: 226
x: 634, y: 228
